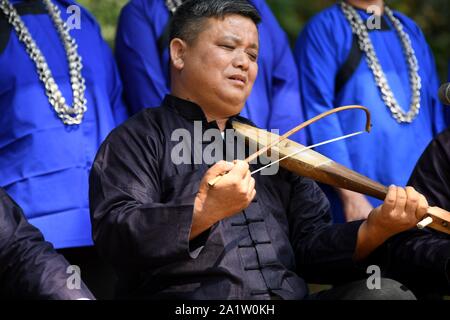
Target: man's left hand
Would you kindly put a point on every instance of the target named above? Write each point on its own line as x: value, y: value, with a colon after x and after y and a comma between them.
x: 402, y: 209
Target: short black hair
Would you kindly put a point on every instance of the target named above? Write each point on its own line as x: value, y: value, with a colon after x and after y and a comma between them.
x: 188, y: 20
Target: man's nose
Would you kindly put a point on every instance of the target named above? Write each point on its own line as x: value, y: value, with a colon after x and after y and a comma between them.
x: 241, y: 60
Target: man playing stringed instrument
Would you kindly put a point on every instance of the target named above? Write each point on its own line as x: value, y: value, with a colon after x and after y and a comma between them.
x: 169, y: 234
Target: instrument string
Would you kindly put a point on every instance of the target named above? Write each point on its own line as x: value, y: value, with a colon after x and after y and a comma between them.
x: 307, y: 148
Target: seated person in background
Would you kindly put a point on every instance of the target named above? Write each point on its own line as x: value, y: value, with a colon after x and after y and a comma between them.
x: 29, y: 266
x: 431, y: 176
x: 142, y: 52
x: 169, y: 234
x: 446, y: 102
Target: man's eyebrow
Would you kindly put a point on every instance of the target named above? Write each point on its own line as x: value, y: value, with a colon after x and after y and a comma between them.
x: 239, y: 40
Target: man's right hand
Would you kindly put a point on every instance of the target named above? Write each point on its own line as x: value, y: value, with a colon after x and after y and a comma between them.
x: 230, y: 195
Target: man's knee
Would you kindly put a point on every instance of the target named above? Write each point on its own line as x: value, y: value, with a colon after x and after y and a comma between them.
x: 388, y: 290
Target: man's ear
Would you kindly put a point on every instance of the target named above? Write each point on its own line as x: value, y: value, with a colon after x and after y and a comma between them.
x: 177, y: 51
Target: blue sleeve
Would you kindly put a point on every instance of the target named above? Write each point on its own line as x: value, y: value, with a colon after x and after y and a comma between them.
x: 115, y: 88
x: 431, y: 82
x: 286, y: 110
x: 316, y: 57
x: 139, y: 60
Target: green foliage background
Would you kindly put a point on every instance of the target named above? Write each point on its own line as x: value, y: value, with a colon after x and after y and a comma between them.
x: 432, y: 16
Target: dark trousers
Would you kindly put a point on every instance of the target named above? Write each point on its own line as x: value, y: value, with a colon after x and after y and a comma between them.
x: 101, y: 279
x: 98, y: 276
x: 358, y: 290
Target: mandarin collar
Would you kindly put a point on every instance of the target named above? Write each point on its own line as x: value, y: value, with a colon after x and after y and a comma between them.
x: 190, y: 110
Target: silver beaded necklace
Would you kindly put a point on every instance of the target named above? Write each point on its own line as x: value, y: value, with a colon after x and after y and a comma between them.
x: 68, y: 115
x: 365, y: 44
x: 173, y: 5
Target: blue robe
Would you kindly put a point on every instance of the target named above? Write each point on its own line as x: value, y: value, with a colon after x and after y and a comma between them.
x: 274, y: 102
x: 388, y: 154
x: 44, y: 165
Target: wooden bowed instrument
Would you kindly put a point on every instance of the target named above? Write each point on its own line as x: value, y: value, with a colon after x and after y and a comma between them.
x: 305, y: 162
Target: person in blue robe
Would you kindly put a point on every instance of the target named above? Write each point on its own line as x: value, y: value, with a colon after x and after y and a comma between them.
x: 44, y: 164
x: 143, y: 59
x: 333, y: 72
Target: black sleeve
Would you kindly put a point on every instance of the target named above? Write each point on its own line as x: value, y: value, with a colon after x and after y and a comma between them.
x: 420, y: 259
x: 324, y: 251
x: 431, y: 176
x: 140, y: 222
x: 29, y: 266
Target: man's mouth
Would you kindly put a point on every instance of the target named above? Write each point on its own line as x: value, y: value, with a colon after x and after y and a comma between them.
x: 239, y: 78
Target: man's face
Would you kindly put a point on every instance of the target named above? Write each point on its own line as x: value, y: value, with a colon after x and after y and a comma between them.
x: 220, y: 66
